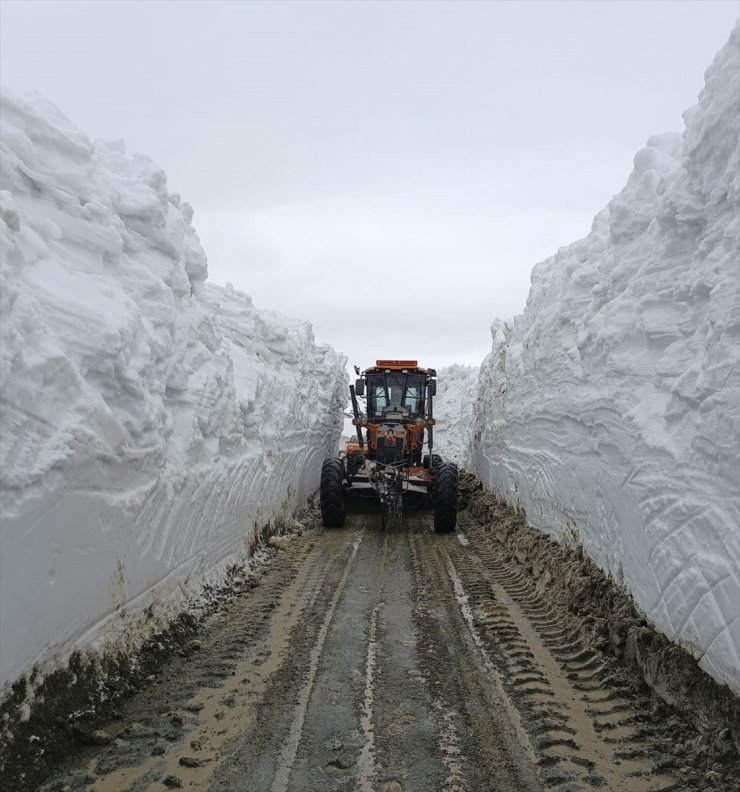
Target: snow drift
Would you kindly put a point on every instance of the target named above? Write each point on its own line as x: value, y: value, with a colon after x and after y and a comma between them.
x: 150, y: 422
x: 610, y: 410
x: 453, y: 410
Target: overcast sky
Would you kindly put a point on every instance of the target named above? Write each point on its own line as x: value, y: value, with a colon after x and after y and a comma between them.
x: 390, y: 171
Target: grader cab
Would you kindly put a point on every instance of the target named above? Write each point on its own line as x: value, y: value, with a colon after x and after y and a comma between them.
x: 391, y: 459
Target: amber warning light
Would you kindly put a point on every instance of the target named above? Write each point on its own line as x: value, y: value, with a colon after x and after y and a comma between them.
x: 396, y: 363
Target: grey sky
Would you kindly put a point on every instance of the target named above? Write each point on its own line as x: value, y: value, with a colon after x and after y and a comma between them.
x: 389, y: 171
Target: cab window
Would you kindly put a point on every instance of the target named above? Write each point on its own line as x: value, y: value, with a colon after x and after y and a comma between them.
x: 404, y: 391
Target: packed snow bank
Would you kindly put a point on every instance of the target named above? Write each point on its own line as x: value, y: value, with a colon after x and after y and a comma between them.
x: 610, y: 410
x: 453, y: 410
x: 150, y: 421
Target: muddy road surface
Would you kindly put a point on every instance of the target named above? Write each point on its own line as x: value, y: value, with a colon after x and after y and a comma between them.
x: 393, y: 660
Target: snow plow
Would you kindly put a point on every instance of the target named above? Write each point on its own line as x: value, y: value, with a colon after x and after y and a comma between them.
x: 392, y: 459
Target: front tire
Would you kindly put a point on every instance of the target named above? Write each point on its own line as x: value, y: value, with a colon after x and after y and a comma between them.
x: 445, y: 501
x: 332, y: 493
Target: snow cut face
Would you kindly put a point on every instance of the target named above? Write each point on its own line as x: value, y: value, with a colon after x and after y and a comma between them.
x: 150, y: 421
x: 611, y: 408
x: 453, y: 410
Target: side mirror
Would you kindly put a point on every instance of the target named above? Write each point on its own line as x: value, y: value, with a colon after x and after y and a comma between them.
x: 433, y: 387
x: 360, y: 387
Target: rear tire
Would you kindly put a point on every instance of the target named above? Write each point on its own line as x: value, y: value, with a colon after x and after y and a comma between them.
x: 445, y: 500
x: 332, y: 493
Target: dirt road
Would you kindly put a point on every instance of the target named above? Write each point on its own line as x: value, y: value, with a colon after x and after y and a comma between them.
x: 385, y: 661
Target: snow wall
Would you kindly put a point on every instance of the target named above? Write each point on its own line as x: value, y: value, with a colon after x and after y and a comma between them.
x: 453, y: 410
x: 610, y: 410
x: 150, y: 422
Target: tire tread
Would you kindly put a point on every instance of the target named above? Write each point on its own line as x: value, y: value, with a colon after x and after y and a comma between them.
x: 331, y: 494
x: 445, y: 506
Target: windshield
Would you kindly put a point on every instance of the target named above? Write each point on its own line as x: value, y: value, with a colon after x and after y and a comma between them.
x: 405, y: 391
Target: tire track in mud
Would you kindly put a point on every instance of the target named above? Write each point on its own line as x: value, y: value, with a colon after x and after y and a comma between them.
x: 406, y: 756
x: 366, y: 764
x: 290, y: 745
x: 298, y: 599
x: 393, y: 660
x: 291, y: 742
x: 180, y: 729
x: 589, y: 728
x: 480, y: 740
